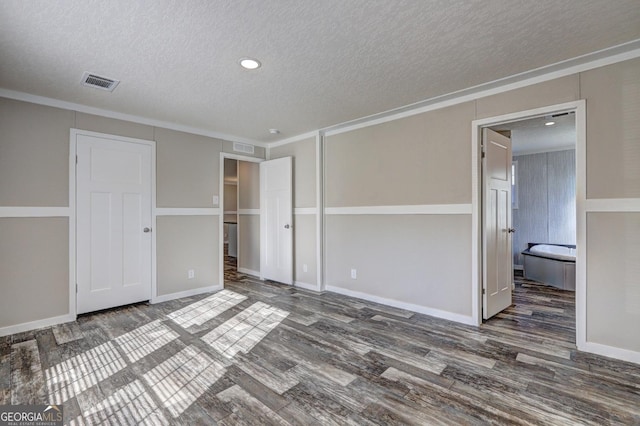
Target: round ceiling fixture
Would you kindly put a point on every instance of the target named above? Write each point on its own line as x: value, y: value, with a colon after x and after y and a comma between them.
x: 274, y: 131
x: 549, y: 123
x: 249, y: 63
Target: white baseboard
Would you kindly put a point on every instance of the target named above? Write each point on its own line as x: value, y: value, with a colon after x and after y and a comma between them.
x: 34, y: 325
x: 610, y: 351
x: 249, y: 272
x: 463, y: 319
x: 186, y: 293
x: 306, y: 286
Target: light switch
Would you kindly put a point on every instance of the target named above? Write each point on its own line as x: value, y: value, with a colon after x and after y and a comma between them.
x: 216, y: 200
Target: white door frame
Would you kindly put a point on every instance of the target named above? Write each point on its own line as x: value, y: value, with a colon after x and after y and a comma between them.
x: 73, y: 216
x: 579, y: 107
x: 230, y: 156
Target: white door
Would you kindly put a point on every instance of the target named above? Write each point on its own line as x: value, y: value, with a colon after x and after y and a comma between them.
x: 276, y: 225
x: 113, y: 214
x: 497, y: 230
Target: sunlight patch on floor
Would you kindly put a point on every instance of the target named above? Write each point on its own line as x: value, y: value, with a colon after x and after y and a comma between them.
x: 130, y: 404
x: 79, y: 373
x: 206, y: 309
x: 144, y: 340
x: 180, y: 380
x: 245, y: 330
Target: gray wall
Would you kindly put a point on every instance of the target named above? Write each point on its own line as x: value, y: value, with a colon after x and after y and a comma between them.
x: 248, y: 224
x: 34, y: 172
x: 613, y: 171
x: 428, y: 155
x: 230, y: 191
x: 34, y: 269
x: 420, y: 160
x: 546, y: 210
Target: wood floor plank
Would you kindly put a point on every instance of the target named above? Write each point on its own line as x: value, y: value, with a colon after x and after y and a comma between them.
x: 327, y: 359
x: 27, y: 377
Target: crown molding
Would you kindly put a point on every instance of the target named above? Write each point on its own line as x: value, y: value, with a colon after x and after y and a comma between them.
x: 600, y: 58
x: 57, y: 103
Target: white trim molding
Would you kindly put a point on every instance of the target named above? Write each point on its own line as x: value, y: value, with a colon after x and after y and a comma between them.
x: 476, y: 237
x: 293, y: 139
x: 600, y: 58
x: 248, y: 211
x: 422, y: 209
x: 34, y: 325
x: 178, y: 211
x: 306, y: 286
x: 6, y: 212
x: 320, y: 218
x: 613, y: 205
x: 249, y: 272
x: 611, y: 352
x: 451, y: 316
x: 304, y: 210
x: 240, y: 157
x: 186, y: 293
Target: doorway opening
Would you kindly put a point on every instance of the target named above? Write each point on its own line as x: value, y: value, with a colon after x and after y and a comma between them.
x: 543, y: 221
x: 240, y: 218
x: 545, y: 206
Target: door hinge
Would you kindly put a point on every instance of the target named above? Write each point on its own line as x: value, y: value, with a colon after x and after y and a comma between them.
x: 76, y: 159
x: 484, y: 291
x: 76, y: 288
x: 482, y: 154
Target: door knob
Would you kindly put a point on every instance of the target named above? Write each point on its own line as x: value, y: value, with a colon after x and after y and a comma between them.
x: 287, y: 226
x: 146, y: 230
x: 511, y: 230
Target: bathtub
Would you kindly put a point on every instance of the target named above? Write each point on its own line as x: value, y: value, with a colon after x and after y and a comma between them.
x: 551, y: 264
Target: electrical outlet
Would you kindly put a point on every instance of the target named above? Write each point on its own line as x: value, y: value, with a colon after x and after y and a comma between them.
x: 354, y: 274
x: 305, y: 268
x: 191, y: 274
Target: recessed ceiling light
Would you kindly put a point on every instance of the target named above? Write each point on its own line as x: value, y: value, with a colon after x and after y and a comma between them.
x: 549, y: 123
x: 249, y: 63
x: 274, y: 131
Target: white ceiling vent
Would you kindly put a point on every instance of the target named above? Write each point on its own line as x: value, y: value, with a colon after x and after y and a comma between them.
x: 98, y: 82
x: 243, y: 147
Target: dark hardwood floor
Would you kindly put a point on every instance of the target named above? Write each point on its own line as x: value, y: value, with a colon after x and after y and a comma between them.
x: 263, y: 353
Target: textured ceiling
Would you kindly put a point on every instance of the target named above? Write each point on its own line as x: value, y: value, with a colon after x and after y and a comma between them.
x: 324, y: 61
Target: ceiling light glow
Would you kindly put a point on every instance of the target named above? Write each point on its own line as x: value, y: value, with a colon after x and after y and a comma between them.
x: 249, y: 63
x: 549, y: 123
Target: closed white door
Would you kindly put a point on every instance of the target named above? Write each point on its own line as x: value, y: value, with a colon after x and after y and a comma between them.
x: 497, y: 230
x: 113, y: 219
x: 276, y: 226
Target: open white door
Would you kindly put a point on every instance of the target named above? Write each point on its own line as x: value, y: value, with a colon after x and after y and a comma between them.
x: 113, y: 192
x: 276, y: 224
x: 497, y: 231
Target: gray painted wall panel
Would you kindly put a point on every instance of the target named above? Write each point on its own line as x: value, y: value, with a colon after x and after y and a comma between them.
x: 530, y: 218
x: 561, y: 169
x: 34, y: 269
x: 183, y: 243
x: 546, y: 200
x: 424, y: 260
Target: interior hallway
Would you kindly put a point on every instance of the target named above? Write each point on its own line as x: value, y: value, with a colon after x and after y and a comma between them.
x: 260, y: 353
